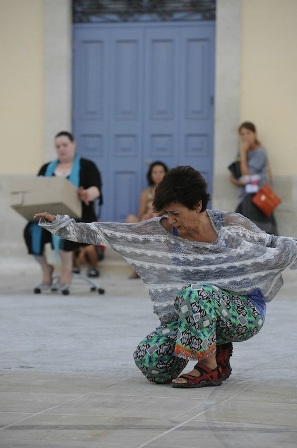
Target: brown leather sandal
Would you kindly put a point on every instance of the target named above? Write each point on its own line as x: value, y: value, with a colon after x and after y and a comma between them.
x: 223, y: 355
x: 207, y: 378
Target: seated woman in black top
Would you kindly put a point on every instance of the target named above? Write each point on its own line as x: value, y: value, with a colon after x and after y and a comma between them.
x: 86, y: 177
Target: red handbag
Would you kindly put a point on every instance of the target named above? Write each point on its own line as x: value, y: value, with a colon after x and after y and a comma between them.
x: 266, y: 200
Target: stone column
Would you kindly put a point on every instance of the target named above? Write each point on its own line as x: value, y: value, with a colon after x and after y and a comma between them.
x: 57, y: 71
x: 227, y: 99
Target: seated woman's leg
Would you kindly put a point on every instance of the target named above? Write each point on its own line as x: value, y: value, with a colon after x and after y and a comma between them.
x: 154, y: 355
x: 66, y: 249
x: 36, y: 238
x: 66, y: 267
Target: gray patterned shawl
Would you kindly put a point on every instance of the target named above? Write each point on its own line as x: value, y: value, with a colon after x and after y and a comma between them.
x: 241, y: 259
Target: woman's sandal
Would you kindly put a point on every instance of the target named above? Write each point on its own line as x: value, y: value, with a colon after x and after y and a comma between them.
x: 207, y: 378
x: 223, y: 355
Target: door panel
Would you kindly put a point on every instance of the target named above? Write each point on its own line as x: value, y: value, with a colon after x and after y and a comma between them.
x: 90, y: 96
x: 142, y: 92
x: 161, y: 98
x: 197, y: 105
x: 125, y: 119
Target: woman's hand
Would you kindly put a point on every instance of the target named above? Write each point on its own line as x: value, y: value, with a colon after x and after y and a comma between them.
x: 83, y: 195
x: 88, y: 195
x: 244, y: 147
x: 47, y: 216
x: 239, y: 182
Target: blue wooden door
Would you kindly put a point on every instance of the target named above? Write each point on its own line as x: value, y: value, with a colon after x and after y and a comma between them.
x: 142, y: 92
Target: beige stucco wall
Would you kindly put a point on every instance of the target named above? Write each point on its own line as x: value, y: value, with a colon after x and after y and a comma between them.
x: 21, y: 85
x: 268, y: 77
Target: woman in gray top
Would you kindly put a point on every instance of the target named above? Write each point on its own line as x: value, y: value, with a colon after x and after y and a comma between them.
x: 255, y: 172
x: 209, y: 274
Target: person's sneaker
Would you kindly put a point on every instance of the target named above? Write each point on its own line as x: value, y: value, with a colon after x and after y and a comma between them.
x: 75, y: 270
x: 93, y: 273
x: 223, y: 355
x: 42, y: 287
x: 64, y: 289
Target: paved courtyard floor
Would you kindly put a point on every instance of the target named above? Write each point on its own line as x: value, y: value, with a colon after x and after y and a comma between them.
x: 67, y: 376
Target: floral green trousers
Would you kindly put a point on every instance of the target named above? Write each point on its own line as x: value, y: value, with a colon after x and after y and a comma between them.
x: 207, y: 316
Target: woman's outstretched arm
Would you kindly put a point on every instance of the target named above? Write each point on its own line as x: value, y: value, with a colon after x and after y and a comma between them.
x: 68, y: 229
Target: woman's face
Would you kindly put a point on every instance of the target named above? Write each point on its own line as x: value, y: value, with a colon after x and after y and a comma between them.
x: 157, y: 174
x: 248, y: 137
x: 183, y: 218
x: 65, y: 149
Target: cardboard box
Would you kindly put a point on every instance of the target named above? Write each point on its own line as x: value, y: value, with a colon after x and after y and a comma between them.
x: 32, y: 194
